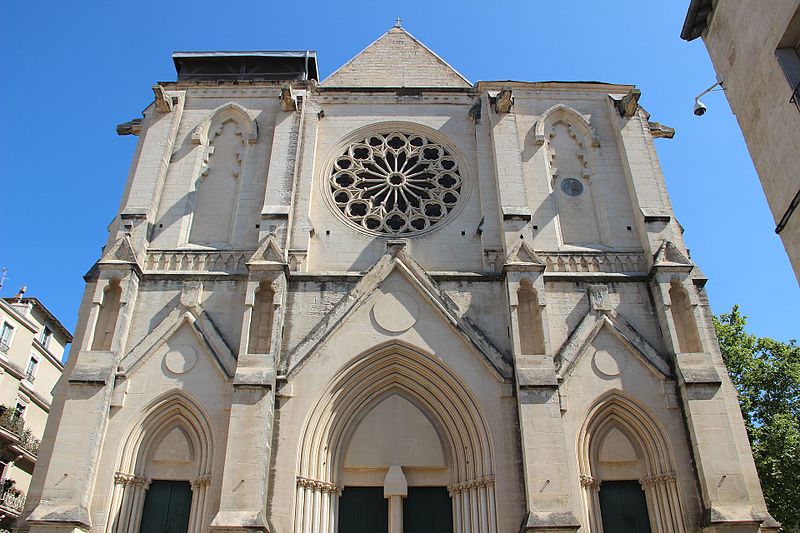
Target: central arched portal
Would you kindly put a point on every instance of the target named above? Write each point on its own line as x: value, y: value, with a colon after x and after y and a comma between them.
x: 396, y: 438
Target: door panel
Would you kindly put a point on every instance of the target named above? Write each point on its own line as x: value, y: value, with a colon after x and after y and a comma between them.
x: 427, y: 510
x: 623, y: 507
x: 167, y: 505
x: 363, y: 510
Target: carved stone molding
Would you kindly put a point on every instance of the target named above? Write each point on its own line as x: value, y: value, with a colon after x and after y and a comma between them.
x: 201, y: 481
x: 657, y: 479
x: 121, y: 478
x: 466, y: 486
x: 590, y: 261
x: 319, y: 486
x: 197, y: 261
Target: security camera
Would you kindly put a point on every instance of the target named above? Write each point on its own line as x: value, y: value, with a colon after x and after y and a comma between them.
x: 699, y: 108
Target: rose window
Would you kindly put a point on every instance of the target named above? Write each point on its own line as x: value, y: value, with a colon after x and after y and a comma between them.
x: 395, y: 183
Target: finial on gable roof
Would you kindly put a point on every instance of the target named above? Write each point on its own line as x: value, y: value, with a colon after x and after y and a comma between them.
x: 398, y: 23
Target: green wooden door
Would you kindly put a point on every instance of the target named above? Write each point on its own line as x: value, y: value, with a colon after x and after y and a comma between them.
x: 166, y: 507
x: 363, y: 510
x: 427, y: 510
x: 623, y: 507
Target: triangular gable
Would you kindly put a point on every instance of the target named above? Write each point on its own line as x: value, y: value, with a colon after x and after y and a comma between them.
x: 396, y: 59
x: 399, y: 260
x: 121, y: 252
x: 591, y: 325
x: 523, y: 255
x: 268, y: 256
x: 199, y: 322
x: 669, y: 256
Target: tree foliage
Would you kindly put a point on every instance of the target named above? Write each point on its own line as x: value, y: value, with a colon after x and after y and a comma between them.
x: 766, y: 373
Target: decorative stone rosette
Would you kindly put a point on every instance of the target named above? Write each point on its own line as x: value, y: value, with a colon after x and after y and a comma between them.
x: 395, y: 183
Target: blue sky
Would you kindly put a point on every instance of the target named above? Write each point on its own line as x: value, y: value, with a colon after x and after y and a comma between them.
x: 73, y: 70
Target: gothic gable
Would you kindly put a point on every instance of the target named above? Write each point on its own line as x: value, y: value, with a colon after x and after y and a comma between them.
x: 396, y: 59
x: 121, y: 253
x: 268, y: 256
x: 395, y: 307
x: 207, y: 339
x: 523, y: 255
x: 668, y: 257
x: 601, y: 320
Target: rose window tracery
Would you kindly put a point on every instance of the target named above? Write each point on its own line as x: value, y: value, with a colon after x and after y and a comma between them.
x: 395, y: 183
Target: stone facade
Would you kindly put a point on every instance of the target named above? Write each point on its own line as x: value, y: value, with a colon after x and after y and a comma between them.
x: 755, y: 50
x: 395, y: 279
x: 32, y: 344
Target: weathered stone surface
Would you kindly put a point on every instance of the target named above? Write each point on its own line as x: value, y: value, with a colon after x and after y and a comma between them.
x: 512, y: 353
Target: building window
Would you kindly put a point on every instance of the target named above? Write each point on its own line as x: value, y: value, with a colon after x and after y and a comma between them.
x: 5, y: 337
x: 788, y: 55
x: 395, y: 183
x: 19, y: 410
x: 45, y: 336
x: 30, y: 371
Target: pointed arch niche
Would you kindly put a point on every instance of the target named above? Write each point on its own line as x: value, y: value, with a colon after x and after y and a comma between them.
x: 620, y: 441
x: 683, y: 319
x: 529, y: 316
x: 568, y: 139
x: 260, y: 335
x: 451, y: 445
x: 214, y: 202
x: 107, y: 316
x: 170, y: 441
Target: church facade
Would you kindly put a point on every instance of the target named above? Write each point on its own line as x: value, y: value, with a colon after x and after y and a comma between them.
x: 395, y: 301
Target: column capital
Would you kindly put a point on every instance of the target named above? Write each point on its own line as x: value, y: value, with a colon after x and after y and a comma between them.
x: 589, y: 482
x: 657, y: 479
x: 319, y: 486
x: 201, y: 481
x: 466, y: 486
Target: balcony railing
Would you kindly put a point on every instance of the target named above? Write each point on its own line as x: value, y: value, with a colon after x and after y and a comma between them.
x: 15, y: 424
x: 4, y: 346
x: 12, y: 502
x: 11, y: 421
x: 30, y: 376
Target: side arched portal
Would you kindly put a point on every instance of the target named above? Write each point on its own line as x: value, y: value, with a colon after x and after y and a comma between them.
x: 620, y: 441
x: 422, y: 380
x: 171, y: 442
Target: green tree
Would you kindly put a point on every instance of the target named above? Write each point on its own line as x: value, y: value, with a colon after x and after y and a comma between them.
x: 766, y: 373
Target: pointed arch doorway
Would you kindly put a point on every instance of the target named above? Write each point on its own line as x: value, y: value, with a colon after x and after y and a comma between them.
x: 164, y: 470
x: 627, y: 469
x: 396, y: 435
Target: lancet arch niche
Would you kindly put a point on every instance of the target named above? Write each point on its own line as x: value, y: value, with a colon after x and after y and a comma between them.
x: 164, y: 469
x: 569, y: 141
x: 443, y: 457
x: 214, y: 203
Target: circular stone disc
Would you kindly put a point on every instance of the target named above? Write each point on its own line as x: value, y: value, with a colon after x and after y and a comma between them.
x: 181, y: 360
x: 395, y: 311
x: 610, y: 364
